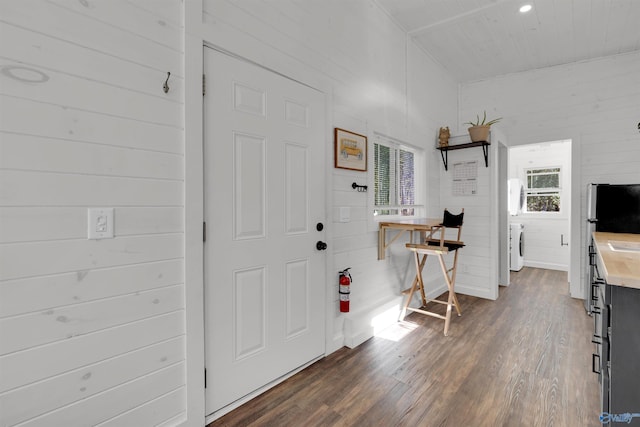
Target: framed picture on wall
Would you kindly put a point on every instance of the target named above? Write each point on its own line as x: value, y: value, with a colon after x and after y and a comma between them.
x: 350, y: 150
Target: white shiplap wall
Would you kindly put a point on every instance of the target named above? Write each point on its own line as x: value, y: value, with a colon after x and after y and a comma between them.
x: 595, y: 104
x: 477, y: 270
x: 91, y: 332
x: 376, y: 80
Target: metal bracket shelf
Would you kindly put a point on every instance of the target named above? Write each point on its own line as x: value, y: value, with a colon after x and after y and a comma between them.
x: 444, y: 151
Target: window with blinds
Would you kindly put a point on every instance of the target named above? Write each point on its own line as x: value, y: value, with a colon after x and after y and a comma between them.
x: 394, y: 179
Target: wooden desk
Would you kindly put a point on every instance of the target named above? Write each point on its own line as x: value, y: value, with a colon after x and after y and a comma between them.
x: 421, y: 225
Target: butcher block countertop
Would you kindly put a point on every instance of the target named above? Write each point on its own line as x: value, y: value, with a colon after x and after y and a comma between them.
x: 620, y: 256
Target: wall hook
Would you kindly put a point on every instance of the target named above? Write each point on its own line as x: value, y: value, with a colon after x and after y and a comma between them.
x: 360, y: 188
x: 165, y: 87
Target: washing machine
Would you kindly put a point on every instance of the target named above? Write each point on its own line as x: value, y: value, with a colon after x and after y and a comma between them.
x: 516, y: 246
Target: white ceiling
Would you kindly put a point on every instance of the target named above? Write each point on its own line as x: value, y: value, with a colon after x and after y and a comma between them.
x: 478, y: 39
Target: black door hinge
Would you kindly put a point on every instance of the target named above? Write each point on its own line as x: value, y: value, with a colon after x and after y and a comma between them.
x: 204, y: 87
x: 205, y: 377
x: 204, y: 231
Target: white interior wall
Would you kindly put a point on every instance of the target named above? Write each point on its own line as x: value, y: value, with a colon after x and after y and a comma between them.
x: 94, y: 331
x: 593, y: 103
x: 477, y: 271
x: 91, y: 331
x: 376, y: 81
x: 99, y: 132
x: 544, y: 232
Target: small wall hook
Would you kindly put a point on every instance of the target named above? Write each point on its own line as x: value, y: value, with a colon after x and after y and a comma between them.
x: 360, y: 188
x: 165, y: 87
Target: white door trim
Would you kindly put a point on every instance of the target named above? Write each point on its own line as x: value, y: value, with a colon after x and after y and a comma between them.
x: 272, y: 352
x: 197, y: 34
x: 193, y: 213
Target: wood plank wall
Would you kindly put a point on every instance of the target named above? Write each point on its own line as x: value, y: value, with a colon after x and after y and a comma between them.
x: 376, y: 80
x: 594, y: 103
x: 92, y: 332
x: 477, y: 263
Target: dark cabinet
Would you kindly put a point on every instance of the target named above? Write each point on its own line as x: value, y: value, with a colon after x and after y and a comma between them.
x: 624, y: 352
x: 616, y: 315
x: 600, y: 359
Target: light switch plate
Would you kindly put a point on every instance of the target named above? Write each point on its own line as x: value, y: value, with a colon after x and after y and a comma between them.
x: 100, y: 222
x: 345, y: 214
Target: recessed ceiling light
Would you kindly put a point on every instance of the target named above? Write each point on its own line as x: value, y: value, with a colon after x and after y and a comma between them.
x: 526, y: 8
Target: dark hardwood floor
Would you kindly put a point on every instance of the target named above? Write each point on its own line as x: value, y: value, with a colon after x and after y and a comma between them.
x: 522, y: 360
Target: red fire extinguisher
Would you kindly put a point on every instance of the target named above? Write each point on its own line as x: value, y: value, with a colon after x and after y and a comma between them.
x: 345, y: 289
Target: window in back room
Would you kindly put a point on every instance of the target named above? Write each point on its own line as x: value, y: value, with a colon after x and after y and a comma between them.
x: 542, y: 190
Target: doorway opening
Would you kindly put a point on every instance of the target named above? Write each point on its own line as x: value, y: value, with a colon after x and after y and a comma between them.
x: 540, y: 205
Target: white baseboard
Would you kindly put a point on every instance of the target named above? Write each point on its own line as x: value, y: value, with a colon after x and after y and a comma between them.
x: 334, y: 344
x: 474, y: 292
x: 546, y: 265
x: 359, y: 326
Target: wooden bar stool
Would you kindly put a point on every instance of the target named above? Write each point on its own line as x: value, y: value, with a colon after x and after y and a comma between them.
x: 437, y: 247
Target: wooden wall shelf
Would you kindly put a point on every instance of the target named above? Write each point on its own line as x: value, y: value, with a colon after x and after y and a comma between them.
x: 444, y: 151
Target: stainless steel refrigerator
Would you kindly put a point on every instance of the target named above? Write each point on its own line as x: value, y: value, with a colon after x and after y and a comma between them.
x: 613, y: 208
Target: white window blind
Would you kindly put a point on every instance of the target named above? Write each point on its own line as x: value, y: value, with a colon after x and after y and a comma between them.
x: 394, y: 178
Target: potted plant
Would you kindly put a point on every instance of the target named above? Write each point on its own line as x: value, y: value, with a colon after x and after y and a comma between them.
x: 479, y: 130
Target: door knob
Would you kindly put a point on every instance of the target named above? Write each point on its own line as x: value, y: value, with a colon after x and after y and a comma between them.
x: 319, y: 226
x: 321, y: 246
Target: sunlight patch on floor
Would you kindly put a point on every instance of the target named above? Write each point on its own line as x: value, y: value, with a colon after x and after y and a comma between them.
x: 387, y: 326
x: 397, y: 332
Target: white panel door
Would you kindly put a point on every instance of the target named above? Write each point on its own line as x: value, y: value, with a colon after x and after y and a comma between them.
x: 264, y: 196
